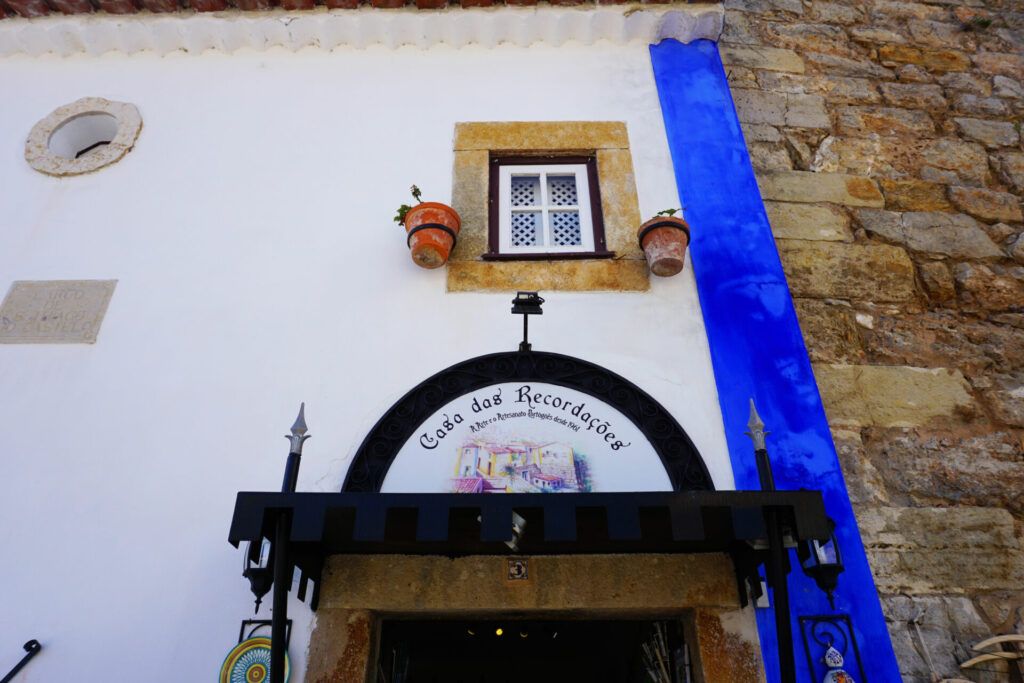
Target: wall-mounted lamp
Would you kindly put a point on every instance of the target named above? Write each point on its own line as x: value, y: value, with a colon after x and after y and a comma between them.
x: 257, y: 567
x: 527, y: 304
x: 822, y: 561
x: 518, y: 529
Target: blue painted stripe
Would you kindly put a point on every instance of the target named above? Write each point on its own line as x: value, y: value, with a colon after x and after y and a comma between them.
x: 757, y: 349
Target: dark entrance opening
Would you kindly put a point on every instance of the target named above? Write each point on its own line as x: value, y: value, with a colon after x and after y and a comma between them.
x: 512, y: 651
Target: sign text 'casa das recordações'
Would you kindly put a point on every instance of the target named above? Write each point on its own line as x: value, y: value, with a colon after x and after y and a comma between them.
x: 528, y: 437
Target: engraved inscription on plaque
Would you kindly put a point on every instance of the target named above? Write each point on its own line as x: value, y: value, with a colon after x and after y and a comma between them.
x: 54, y: 311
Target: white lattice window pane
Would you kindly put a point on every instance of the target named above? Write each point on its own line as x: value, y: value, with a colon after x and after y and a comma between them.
x: 544, y: 209
x: 562, y: 190
x: 527, y: 229
x: 526, y: 190
x: 565, y: 228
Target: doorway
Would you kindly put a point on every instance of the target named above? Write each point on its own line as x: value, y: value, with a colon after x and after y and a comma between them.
x: 512, y: 651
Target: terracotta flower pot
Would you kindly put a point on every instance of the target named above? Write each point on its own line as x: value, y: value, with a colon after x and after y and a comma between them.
x: 431, y: 229
x: 664, y: 240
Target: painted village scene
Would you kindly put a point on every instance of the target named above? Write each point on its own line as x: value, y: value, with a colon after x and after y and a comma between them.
x: 520, y: 467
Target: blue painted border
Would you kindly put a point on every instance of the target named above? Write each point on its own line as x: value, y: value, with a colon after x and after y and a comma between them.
x: 757, y: 349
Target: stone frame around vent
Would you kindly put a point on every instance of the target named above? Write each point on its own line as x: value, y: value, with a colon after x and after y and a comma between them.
x: 477, y: 143
x: 41, y: 158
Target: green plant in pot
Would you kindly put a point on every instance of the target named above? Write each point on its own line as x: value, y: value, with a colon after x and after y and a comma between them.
x: 664, y: 240
x: 431, y: 229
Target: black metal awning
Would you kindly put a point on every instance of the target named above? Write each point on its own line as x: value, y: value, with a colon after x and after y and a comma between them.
x: 324, y: 524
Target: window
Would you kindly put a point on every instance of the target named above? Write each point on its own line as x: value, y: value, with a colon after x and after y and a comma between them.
x: 545, y: 207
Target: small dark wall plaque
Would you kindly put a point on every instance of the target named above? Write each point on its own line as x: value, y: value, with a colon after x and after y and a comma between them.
x: 518, y: 569
x: 54, y: 311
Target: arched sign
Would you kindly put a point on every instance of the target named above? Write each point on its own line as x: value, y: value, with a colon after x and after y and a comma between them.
x: 526, y: 422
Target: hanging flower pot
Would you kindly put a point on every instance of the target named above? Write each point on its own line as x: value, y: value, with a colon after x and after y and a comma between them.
x: 664, y: 239
x: 431, y: 229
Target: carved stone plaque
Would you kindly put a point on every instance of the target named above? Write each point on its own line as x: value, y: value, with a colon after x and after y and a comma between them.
x: 54, y: 311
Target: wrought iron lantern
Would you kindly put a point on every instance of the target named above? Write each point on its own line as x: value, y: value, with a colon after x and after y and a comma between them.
x: 823, y: 562
x: 258, y: 568
x: 527, y: 304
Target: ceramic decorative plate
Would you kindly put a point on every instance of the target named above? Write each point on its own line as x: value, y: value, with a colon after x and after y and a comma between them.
x: 249, y: 662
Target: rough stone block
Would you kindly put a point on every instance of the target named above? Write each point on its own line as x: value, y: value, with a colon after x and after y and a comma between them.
x: 934, y: 60
x: 837, y: 89
x: 864, y: 482
x: 837, y: 13
x: 806, y: 187
x: 937, y: 281
x: 768, y: 58
x: 1011, y: 169
x: 891, y: 396
x: 966, y: 82
x: 1002, y: 63
x: 754, y: 132
x: 948, y: 627
x: 830, y: 331
x: 914, y: 195
x: 989, y: 133
x: 757, y: 106
x: 914, y: 95
x: 875, y: 35
x: 967, y: 161
x: 834, y: 270
x: 942, y: 550
x: 942, y: 338
x: 988, y: 205
x: 884, y: 121
x: 981, y: 287
x: 1008, y: 88
x: 940, y: 34
x: 845, y: 66
x: 804, y: 36
x: 808, y: 222
x: 884, y: 10
x: 926, y: 467
x: 1006, y: 400
x: 972, y: 105
x: 768, y: 157
x: 941, y: 234
x: 806, y: 111
x: 1017, y: 249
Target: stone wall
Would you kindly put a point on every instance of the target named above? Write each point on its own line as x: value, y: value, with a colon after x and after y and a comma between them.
x: 887, y: 141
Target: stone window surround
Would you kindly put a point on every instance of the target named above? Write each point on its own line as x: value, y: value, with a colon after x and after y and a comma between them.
x: 477, y: 142
x: 37, y: 147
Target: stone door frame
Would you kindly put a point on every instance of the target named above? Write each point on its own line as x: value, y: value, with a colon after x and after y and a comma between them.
x: 360, y: 591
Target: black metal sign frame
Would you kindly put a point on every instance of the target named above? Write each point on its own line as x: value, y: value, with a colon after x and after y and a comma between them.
x: 683, y: 463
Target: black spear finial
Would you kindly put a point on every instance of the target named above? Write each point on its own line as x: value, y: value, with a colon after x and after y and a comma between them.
x: 298, y: 435
x: 755, y: 428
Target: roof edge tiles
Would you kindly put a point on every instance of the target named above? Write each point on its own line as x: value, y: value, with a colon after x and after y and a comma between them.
x: 195, y: 32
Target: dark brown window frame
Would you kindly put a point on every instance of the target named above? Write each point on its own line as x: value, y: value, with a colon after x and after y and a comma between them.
x: 597, y: 217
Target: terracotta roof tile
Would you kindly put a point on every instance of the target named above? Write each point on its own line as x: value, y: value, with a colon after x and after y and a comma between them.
x: 38, y: 8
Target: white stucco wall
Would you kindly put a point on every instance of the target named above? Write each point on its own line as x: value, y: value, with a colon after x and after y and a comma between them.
x: 250, y: 231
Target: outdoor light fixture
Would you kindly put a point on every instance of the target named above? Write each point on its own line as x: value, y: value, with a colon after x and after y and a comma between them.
x: 258, y: 569
x: 527, y: 304
x: 823, y: 562
x: 518, y: 529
